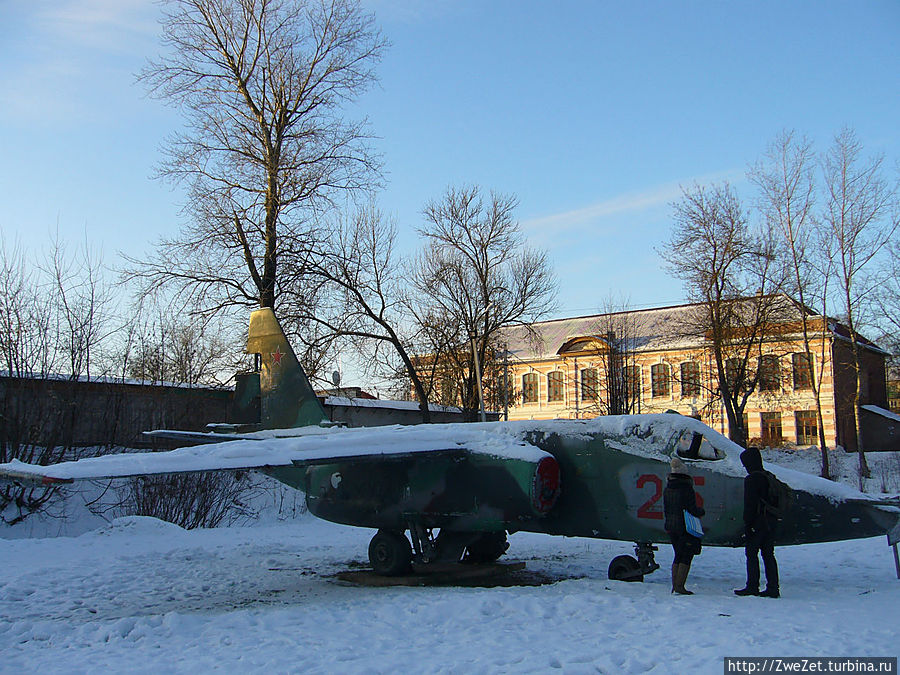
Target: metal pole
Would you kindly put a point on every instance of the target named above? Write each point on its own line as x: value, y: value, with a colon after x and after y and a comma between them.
x: 575, y: 387
x: 506, y: 383
x: 478, y: 380
x: 896, y: 560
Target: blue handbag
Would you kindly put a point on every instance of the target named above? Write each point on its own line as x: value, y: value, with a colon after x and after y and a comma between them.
x: 692, y: 525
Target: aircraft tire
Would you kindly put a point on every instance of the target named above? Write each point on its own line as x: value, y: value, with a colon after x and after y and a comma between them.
x: 625, y: 568
x: 486, y: 548
x: 390, y: 553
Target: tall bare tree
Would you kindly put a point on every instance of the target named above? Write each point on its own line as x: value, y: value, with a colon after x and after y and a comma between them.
x: 730, y: 271
x: 475, y: 276
x: 785, y: 178
x: 861, y: 216
x: 261, y: 84
x: 364, y: 296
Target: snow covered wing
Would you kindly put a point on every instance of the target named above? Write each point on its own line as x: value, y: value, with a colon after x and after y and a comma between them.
x: 268, y: 452
x: 195, y: 437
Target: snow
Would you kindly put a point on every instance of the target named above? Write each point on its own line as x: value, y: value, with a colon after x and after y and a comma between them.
x: 143, y: 596
x: 881, y: 411
x: 385, y: 403
x: 283, y: 447
x: 642, y: 435
x: 140, y: 595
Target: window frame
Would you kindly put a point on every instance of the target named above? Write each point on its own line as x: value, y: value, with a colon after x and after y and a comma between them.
x: 769, y: 377
x: 632, y: 379
x: 660, y: 384
x: 556, y: 386
x: 693, y: 380
x: 533, y: 383
x: 589, y: 392
x: 765, y: 420
x: 813, y: 424
x: 799, y: 381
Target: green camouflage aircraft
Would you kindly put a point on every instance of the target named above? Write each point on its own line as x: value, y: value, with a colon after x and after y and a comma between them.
x: 452, y: 492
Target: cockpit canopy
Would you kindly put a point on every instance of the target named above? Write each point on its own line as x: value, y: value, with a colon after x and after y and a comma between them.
x: 694, y: 446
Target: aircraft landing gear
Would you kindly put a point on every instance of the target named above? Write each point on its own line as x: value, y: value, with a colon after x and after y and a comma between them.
x: 486, y: 548
x: 390, y: 553
x: 626, y: 568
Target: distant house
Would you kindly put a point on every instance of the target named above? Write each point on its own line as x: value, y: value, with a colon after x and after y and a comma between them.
x: 646, y: 361
x: 894, y: 396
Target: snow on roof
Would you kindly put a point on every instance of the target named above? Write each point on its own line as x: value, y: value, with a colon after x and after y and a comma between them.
x: 651, y: 329
x: 110, y: 379
x: 388, y: 404
x: 881, y: 412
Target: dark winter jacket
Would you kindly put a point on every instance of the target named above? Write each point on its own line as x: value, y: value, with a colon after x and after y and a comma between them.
x: 756, y: 489
x: 679, y: 497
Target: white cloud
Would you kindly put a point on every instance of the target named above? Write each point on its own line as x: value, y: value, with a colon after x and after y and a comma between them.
x: 620, y: 205
x: 64, y: 58
x: 102, y: 24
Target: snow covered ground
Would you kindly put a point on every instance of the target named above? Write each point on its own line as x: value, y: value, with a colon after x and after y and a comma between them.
x: 139, y: 595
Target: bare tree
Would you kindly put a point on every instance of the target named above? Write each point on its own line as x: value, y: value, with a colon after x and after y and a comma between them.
x: 616, y: 393
x: 164, y: 345
x: 730, y: 271
x: 261, y: 83
x: 474, y: 277
x: 52, y: 314
x: 82, y: 305
x: 26, y: 317
x: 888, y: 307
x: 785, y: 178
x: 861, y: 217
x: 367, y: 302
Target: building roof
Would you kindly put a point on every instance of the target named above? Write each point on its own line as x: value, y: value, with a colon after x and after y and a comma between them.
x: 654, y: 329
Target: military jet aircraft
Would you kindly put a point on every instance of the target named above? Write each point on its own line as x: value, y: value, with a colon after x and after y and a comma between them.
x: 451, y: 492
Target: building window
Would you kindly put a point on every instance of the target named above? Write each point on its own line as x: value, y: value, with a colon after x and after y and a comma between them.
x: 690, y: 378
x: 448, y: 391
x: 807, y: 429
x: 659, y: 379
x: 733, y: 374
x: 632, y: 376
x: 769, y: 373
x: 803, y: 370
x: 555, y: 386
x: 530, y: 388
x: 771, y: 428
x: 589, y: 383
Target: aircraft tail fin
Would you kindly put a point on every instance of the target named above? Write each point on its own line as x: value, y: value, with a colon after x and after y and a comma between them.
x: 286, y: 398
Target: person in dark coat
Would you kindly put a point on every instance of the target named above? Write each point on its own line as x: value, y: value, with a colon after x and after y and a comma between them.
x: 759, y: 528
x: 679, y: 497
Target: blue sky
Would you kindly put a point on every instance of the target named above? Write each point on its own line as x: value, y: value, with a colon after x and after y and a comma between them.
x: 592, y: 113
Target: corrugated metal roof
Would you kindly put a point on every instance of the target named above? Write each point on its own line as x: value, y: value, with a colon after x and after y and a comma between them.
x: 652, y: 329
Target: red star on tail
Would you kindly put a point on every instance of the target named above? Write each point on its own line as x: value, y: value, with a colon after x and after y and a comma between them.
x: 276, y: 356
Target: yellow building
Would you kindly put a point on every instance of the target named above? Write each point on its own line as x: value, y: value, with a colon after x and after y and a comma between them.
x: 650, y: 361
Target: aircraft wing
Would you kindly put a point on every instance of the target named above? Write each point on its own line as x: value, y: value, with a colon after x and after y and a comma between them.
x: 196, y: 437
x: 327, y: 446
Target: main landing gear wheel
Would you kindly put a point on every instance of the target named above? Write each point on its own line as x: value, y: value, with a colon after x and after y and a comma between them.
x: 390, y: 553
x: 625, y: 568
x: 486, y: 548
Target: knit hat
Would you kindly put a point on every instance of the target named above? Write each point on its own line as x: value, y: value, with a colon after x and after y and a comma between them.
x: 677, y: 465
